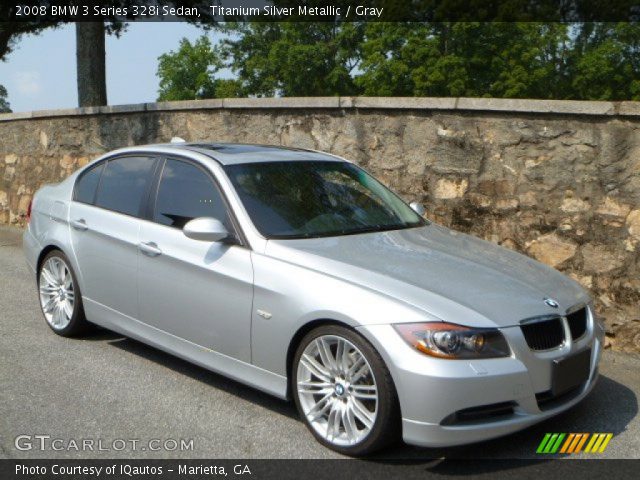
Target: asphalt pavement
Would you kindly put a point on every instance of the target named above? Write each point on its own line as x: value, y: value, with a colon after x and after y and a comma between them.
x: 107, y: 389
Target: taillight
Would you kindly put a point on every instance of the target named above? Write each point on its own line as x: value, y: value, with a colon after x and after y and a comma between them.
x: 29, y: 211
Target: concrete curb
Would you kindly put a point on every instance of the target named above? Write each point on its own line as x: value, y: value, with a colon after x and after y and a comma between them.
x: 559, y: 107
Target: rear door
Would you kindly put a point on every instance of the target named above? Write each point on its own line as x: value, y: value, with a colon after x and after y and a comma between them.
x: 196, y: 290
x: 105, y: 224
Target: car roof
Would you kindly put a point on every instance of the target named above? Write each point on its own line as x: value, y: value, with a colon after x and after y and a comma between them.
x: 236, y: 153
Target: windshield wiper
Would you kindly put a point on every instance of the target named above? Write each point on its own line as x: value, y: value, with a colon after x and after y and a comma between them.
x: 346, y: 231
x: 374, y: 228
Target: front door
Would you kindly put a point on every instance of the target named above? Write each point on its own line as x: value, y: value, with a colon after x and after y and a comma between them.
x: 196, y: 290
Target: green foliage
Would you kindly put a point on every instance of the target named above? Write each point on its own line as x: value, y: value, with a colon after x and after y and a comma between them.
x: 586, y: 61
x: 4, y: 104
x: 462, y: 59
x: 228, y: 88
x: 606, y: 62
x: 187, y: 74
x: 594, y: 61
x: 294, y: 59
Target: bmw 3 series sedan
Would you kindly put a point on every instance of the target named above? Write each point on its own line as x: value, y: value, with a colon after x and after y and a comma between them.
x: 300, y: 274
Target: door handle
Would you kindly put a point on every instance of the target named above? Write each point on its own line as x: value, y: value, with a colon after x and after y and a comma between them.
x: 150, y: 249
x: 79, y: 224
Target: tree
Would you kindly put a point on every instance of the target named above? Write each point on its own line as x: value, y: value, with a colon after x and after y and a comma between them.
x: 90, y: 53
x: 228, y: 88
x: 475, y: 59
x: 11, y: 31
x: 385, y: 71
x: 189, y: 72
x: 4, y: 104
x: 586, y: 61
x: 294, y: 59
x: 605, y: 62
x: 463, y: 59
x: 90, y: 64
x: 91, y: 75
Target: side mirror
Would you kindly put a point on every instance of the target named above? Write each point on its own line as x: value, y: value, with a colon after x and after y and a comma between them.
x: 418, y: 208
x: 207, y: 229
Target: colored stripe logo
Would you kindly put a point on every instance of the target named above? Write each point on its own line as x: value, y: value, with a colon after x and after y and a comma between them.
x: 574, y: 443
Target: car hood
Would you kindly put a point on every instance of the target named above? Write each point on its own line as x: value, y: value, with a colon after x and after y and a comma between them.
x: 449, y: 275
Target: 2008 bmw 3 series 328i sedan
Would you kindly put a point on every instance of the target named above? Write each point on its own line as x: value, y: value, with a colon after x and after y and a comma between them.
x: 298, y: 273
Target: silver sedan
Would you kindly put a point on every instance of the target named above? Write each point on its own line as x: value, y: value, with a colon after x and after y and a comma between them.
x: 300, y: 274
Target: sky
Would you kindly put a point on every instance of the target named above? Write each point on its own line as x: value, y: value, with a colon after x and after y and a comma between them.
x: 40, y: 73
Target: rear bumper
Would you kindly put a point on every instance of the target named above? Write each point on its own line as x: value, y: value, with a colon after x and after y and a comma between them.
x: 31, y: 248
x: 433, y: 391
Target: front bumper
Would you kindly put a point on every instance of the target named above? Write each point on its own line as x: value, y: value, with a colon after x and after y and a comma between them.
x: 434, y: 391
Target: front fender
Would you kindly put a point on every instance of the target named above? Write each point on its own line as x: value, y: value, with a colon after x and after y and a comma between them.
x: 287, y: 297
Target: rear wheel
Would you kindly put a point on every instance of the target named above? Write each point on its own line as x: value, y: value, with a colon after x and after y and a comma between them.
x: 344, y: 392
x: 60, y: 297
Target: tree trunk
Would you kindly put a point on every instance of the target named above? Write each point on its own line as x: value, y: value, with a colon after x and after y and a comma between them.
x: 90, y: 56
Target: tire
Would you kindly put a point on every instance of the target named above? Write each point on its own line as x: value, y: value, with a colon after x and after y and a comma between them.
x: 349, y: 406
x: 60, y: 297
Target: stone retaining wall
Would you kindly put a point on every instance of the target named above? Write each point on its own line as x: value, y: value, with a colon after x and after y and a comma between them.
x: 558, y: 180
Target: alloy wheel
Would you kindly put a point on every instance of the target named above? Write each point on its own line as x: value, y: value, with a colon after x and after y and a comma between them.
x: 337, y: 390
x: 57, y: 293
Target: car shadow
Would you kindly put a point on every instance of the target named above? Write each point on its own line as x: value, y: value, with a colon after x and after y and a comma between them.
x: 200, y: 374
x: 610, y: 407
x: 99, y: 334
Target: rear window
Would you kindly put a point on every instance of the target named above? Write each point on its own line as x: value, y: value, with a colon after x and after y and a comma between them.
x: 87, y: 184
x: 124, y: 183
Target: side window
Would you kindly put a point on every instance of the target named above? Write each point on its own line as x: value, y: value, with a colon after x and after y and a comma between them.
x: 186, y: 192
x: 124, y: 183
x: 87, y: 184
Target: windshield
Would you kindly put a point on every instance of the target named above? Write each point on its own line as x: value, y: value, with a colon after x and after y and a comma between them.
x: 304, y: 199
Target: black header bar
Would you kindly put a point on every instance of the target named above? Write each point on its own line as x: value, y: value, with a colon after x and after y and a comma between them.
x: 211, y: 11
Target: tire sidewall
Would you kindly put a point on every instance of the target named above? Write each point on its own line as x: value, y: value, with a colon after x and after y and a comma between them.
x: 383, y: 431
x: 76, y: 318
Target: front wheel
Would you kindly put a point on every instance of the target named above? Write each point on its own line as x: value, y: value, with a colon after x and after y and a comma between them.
x: 344, y: 392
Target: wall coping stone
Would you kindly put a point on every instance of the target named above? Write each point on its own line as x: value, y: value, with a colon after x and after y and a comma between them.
x: 560, y: 107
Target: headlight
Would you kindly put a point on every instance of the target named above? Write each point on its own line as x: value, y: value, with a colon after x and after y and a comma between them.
x: 447, y: 340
